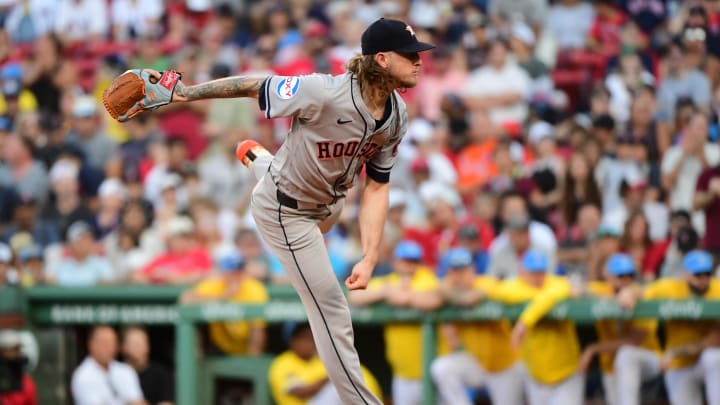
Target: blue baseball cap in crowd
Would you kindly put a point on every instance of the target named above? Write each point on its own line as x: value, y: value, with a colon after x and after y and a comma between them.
x: 698, y: 261
x: 620, y: 264
x: 459, y: 258
x: 30, y: 252
x: 408, y: 250
x: 535, y: 261
x: 231, y: 261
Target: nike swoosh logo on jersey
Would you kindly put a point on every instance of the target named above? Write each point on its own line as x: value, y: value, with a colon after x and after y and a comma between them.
x: 342, y: 121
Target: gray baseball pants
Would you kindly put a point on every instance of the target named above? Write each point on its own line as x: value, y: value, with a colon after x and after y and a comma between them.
x: 295, y: 238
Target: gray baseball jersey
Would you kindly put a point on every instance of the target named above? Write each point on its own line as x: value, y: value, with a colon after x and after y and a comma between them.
x: 333, y: 135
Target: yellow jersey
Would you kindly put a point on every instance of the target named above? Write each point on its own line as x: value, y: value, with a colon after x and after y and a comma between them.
x: 233, y: 337
x: 550, y: 350
x: 403, y: 341
x: 289, y: 371
x: 26, y: 102
x: 682, y: 332
x: 487, y: 341
x: 609, y: 329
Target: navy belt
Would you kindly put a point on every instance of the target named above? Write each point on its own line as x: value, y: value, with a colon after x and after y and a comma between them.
x: 290, y: 202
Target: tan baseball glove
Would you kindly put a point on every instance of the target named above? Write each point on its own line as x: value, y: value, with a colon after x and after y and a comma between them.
x: 139, y: 90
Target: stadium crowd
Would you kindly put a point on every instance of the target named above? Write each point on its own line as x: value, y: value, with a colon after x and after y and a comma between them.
x: 555, y: 149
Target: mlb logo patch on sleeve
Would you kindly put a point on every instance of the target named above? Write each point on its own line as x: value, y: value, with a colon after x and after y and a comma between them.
x: 287, y: 87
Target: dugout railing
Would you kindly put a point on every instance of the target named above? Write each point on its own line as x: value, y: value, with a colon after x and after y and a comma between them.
x: 156, y: 305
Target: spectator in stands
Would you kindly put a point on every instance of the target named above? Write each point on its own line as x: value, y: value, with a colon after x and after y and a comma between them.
x: 612, y: 170
x: 478, y: 353
x: 18, y: 387
x: 522, y: 44
x: 38, y: 72
x: 248, y: 242
x: 155, y: 379
x: 579, y: 188
x: 519, y: 234
x: 468, y: 237
x: 474, y: 162
x: 547, y: 169
x: 31, y: 266
x: 604, y: 36
x: 81, y: 21
x: 80, y: 265
x: 569, y: 23
x: 29, y: 19
x: 184, y: 261
x: 87, y: 133
x: 410, y: 285
x: 682, y: 239
x: 232, y: 191
x: 629, y: 78
x: 133, y: 19
x: 617, y: 342
x: 635, y: 241
x: 149, y: 52
x: 143, y: 130
x: 100, y: 379
x: 67, y: 207
x: 691, y: 354
x: 132, y: 244
x: 707, y: 199
x: 297, y: 376
x: 26, y: 218
x: 111, y: 198
x: 500, y: 87
x: 233, y: 284
x: 683, y: 164
x: 531, y: 12
x: 6, y: 270
x: 21, y: 171
x: 681, y: 80
x: 576, y: 244
x: 445, y: 77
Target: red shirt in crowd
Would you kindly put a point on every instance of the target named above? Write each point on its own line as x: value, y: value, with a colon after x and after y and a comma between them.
x: 169, y: 265
x: 711, y: 240
x: 28, y: 395
x: 435, y: 241
x: 606, y: 31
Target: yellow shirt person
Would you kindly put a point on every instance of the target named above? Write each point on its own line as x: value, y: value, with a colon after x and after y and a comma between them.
x: 298, y: 375
x: 680, y: 333
x: 409, y: 286
x: 620, y: 275
x: 479, y: 353
x: 549, y: 348
x: 233, y: 337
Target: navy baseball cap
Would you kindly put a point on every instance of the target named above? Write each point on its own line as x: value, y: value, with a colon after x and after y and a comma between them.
x: 231, y: 261
x: 698, y: 261
x: 535, y: 261
x: 408, y: 250
x: 459, y: 258
x: 620, y: 264
x: 386, y: 35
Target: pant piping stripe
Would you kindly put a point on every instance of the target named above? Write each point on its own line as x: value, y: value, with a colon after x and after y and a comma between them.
x: 327, y: 329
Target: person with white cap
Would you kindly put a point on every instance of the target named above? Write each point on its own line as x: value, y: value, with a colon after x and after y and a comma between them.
x: 549, y: 348
x: 17, y: 387
x: 522, y: 43
x: 691, y: 355
x: 619, y: 341
x: 112, y: 195
x: 82, y: 266
x: 480, y: 353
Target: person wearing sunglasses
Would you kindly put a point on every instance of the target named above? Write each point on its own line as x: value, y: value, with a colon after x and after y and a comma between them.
x: 692, y: 347
x: 623, y: 346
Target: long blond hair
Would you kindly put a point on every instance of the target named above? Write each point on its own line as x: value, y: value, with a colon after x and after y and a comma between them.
x: 369, y: 74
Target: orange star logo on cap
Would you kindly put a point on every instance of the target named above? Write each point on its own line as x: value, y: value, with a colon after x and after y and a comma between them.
x: 410, y: 30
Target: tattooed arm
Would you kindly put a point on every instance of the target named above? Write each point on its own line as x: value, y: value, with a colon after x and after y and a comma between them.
x: 228, y: 87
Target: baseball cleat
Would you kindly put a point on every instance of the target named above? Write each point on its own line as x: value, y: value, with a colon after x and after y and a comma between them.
x: 248, y: 150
